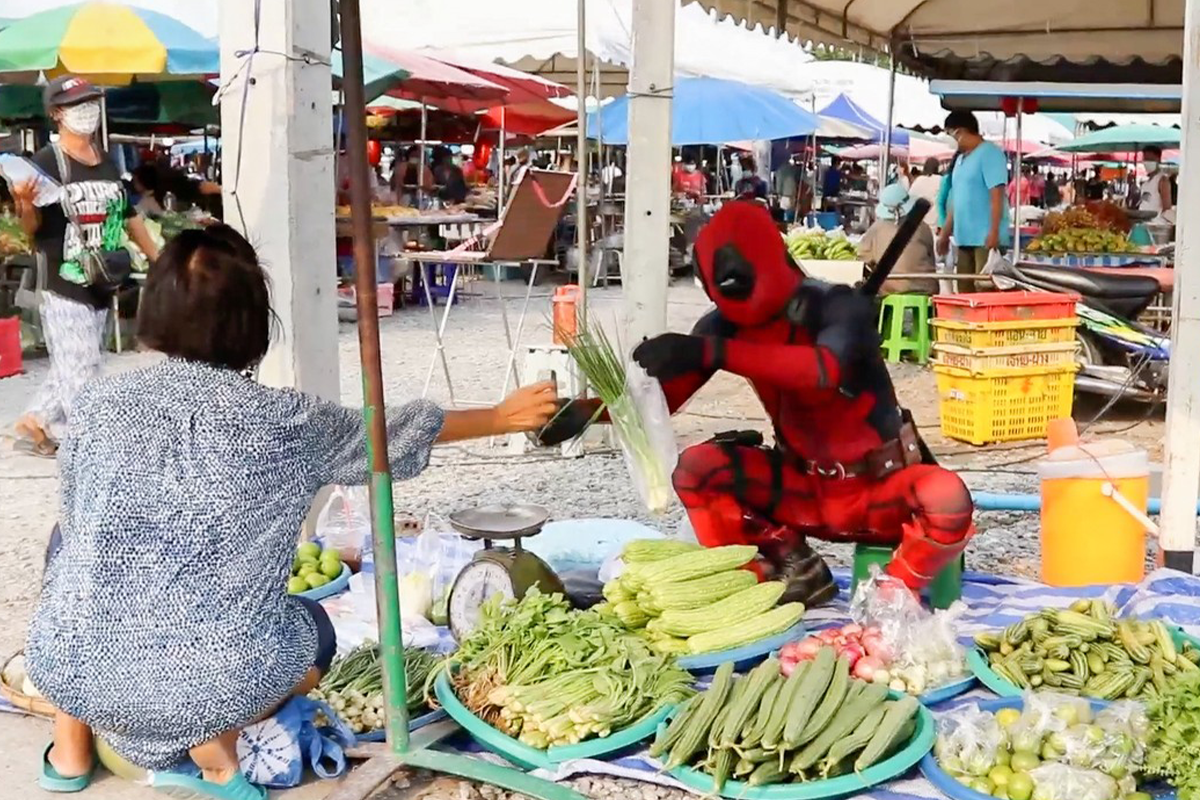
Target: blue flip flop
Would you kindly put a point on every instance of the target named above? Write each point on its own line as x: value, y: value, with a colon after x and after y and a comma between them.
x: 186, y: 787
x: 51, y: 781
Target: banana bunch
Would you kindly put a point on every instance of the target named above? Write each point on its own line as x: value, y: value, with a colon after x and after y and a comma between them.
x: 819, y: 246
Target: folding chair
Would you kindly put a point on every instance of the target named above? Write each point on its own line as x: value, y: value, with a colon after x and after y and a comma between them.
x: 520, y: 237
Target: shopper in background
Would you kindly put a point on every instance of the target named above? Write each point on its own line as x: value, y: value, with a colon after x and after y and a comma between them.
x: 1052, y: 195
x: 751, y: 186
x: 689, y: 182
x: 917, y: 257
x: 977, y: 213
x: 411, y: 178
x: 448, y: 177
x: 926, y: 186
x: 1154, y: 193
x: 83, y: 226
x: 831, y: 184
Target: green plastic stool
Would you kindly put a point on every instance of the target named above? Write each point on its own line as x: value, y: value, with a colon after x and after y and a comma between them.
x: 894, y: 317
x: 941, y: 593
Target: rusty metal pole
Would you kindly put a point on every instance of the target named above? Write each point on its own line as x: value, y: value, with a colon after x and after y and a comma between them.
x: 383, y: 539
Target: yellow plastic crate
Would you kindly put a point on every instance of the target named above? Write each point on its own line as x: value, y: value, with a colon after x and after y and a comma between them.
x: 1003, y: 405
x: 1003, y: 334
x: 1024, y: 356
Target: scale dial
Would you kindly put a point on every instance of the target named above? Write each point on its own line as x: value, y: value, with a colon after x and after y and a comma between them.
x: 478, y: 581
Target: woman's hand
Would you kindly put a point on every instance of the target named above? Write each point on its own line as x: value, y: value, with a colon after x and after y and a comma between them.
x: 527, y: 409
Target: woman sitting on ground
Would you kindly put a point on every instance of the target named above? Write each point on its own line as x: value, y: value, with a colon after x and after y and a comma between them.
x: 164, y: 625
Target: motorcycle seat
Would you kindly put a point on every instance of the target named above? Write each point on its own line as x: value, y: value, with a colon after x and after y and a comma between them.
x: 1096, y: 285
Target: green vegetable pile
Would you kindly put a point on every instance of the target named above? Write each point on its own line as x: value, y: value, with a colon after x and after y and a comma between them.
x: 1085, y: 650
x: 550, y: 675
x: 313, y: 567
x: 817, y: 723
x: 819, y: 246
x: 353, y: 687
x: 687, y: 599
x: 1174, y: 751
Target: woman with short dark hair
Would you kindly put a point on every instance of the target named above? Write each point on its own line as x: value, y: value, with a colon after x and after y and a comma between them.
x: 164, y: 625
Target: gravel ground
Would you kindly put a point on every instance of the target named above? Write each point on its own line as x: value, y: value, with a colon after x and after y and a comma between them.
x: 594, y: 486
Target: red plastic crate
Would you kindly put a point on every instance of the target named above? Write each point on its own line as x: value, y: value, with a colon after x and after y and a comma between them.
x: 10, y: 347
x: 1004, y: 306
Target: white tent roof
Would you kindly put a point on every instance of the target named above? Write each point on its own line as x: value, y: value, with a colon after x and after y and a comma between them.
x: 1023, y: 40
x: 536, y: 34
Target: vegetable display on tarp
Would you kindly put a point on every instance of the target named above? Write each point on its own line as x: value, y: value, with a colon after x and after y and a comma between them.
x: 1085, y: 649
x: 685, y: 599
x: 353, y: 687
x: 764, y: 728
x: 549, y: 675
x: 13, y: 240
x: 1095, y: 228
x: 893, y: 640
x: 814, y: 244
x: 1174, y: 740
x: 637, y: 409
x: 1048, y: 747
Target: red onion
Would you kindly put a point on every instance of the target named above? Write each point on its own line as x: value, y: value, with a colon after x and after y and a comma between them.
x: 866, y: 667
x: 809, y: 647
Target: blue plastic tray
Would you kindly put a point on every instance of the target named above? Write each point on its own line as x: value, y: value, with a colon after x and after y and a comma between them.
x: 335, y: 586
x: 978, y: 663
x: 948, y: 692
x: 842, y: 786
x: 945, y: 783
x: 532, y: 757
x: 742, y: 657
x: 414, y: 725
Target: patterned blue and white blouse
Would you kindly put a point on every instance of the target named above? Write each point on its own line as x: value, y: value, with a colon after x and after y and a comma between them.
x: 164, y: 620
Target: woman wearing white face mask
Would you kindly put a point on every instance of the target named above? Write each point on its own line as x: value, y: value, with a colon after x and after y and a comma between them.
x: 1155, y: 191
x: 86, y: 222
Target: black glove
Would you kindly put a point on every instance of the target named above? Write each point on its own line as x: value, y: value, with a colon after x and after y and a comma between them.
x: 670, y: 355
x: 571, y: 420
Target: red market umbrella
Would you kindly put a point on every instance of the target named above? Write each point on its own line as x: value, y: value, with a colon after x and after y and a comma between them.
x: 437, y: 83
x: 526, y: 119
x: 523, y: 87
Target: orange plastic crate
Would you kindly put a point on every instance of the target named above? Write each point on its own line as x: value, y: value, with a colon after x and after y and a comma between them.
x: 1003, y: 405
x: 1023, y: 356
x: 1004, y: 306
x: 976, y: 335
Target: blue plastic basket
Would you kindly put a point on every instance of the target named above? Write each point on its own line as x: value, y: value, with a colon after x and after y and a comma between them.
x: 335, y: 586
x: 742, y: 657
x: 945, y: 783
x: 414, y: 724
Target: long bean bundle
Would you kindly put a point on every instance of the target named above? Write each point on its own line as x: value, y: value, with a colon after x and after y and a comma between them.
x: 552, y: 676
x: 353, y: 687
x: 598, y: 360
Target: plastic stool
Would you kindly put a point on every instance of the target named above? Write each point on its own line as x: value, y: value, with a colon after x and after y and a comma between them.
x: 941, y: 593
x: 893, y: 315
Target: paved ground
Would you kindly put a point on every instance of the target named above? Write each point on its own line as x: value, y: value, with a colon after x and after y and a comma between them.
x: 594, y: 486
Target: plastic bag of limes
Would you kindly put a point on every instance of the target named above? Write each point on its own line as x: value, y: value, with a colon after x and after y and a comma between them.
x: 313, y: 567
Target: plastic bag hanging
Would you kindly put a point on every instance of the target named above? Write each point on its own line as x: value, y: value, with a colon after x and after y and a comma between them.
x: 643, y: 426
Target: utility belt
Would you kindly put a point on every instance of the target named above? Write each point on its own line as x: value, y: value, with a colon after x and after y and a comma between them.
x: 889, y: 457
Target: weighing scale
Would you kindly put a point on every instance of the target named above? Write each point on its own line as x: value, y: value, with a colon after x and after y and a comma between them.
x: 507, y: 570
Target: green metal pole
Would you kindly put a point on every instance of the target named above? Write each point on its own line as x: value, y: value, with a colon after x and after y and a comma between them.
x: 383, y: 534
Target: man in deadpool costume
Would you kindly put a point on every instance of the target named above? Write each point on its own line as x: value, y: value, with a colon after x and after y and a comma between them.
x: 847, y: 464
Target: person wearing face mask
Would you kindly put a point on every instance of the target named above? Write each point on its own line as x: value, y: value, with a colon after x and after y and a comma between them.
x: 977, y: 213
x: 1154, y: 193
x: 690, y: 182
x: 86, y: 223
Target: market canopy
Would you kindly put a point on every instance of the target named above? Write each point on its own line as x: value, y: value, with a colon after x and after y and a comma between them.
x: 379, y: 74
x: 844, y: 108
x: 107, y: 43
x: 1123, y: 137
x: 184, y: 103
x: 711, y: 111
x: 1055, y: 40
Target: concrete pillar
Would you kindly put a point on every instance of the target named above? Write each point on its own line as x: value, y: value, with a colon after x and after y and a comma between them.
x: 648, y: 170
x: 278, y: 176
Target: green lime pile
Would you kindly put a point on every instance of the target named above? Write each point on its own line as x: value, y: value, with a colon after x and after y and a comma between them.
x: 313, y: 567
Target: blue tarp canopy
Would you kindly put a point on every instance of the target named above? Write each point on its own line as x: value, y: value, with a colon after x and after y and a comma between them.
x: 712, y: 111
x: 843, y: 108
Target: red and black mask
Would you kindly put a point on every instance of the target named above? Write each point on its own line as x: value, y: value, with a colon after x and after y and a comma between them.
x: 744, y: 264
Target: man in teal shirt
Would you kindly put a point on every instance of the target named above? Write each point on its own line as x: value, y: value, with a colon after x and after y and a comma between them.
x: 978, y: 210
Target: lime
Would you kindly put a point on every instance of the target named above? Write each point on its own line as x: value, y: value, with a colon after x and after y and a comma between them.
x: 331, y: 569
x: 1023, y: 762
x: 315, y: 580
x: 1001, y: 793
x: 1007, y: 716
x: 1003, y: 757
x: 308, y: 550
x: 299, y: 562
x: 297, y: 585
x: 1020, y: 786
x: 1000, y: 775
x: 332, y: 555
x: 982, y: 785
x: 307, y: 568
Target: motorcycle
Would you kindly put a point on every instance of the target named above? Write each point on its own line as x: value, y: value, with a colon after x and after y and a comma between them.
x: 1118, y: 356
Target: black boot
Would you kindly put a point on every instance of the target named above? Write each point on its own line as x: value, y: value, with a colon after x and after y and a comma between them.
x: 806, y: 575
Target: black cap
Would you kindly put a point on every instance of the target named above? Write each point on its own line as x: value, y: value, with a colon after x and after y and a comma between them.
x: 67, y: 90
